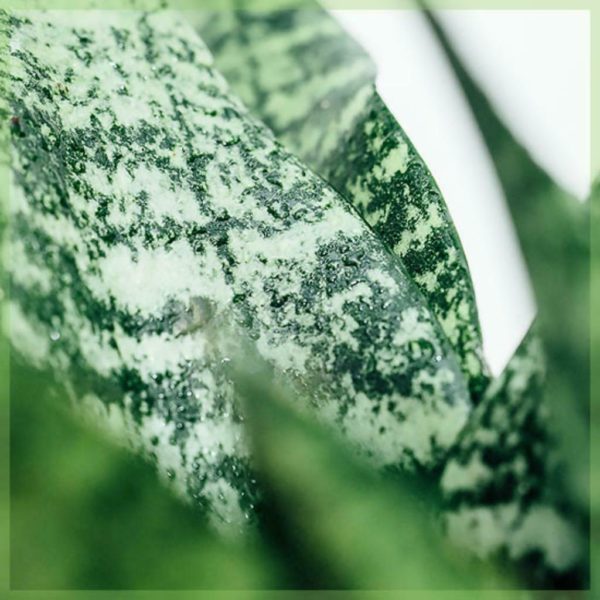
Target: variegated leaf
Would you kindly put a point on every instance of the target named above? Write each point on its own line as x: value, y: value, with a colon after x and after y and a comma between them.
x: 314, y: 86
x: 148, y: 207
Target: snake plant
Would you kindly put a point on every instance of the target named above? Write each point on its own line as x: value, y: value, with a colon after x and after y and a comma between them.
x: 224, y: 250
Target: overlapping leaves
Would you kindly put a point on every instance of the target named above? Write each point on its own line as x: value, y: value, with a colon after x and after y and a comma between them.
x: 340, y: 524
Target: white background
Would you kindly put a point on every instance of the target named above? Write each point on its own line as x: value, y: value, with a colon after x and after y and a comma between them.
x: 535, y: 66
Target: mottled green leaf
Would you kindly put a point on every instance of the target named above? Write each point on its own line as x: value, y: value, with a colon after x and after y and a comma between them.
x: 553, y: 229
x: 148, y: 207
x: 497, y: 483
x: 315, y: 87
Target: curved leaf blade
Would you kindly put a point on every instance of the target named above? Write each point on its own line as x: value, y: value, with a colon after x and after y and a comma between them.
x: 502, y: 484
x: 134, y: 232
x: 314, y: 86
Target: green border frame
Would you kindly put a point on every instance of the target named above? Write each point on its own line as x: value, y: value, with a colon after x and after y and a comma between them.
x: 593, y: 7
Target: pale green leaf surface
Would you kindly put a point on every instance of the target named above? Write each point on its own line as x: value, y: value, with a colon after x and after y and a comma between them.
x: 146, y: 204
x: 313, y: 85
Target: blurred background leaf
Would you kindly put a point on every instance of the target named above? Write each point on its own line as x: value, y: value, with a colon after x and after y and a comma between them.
x: 344, y: 526
x: 554, y: 232
x: 87, y: 514
x: 552, y: 226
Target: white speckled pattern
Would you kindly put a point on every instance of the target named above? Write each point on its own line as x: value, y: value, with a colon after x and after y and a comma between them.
x: 148, y: 207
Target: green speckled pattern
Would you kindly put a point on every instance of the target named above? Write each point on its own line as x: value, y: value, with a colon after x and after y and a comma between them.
x: 496, y: 483
x: 314, y: 86
x: 148, y: 207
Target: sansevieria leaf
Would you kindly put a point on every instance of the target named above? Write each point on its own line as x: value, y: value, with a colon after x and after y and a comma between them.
x: 552, y: 226
x: 595, y: 374
x: 147, y: 208
x: 553, y: 229
x: 306, y: 78
x: 497, y: 483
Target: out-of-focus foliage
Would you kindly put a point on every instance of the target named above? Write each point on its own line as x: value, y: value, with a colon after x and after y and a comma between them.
x: 86, y: 514
x: 553, y: 230
x: 346, y: 527
x: 595, y: 376
x: 554, y: 233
